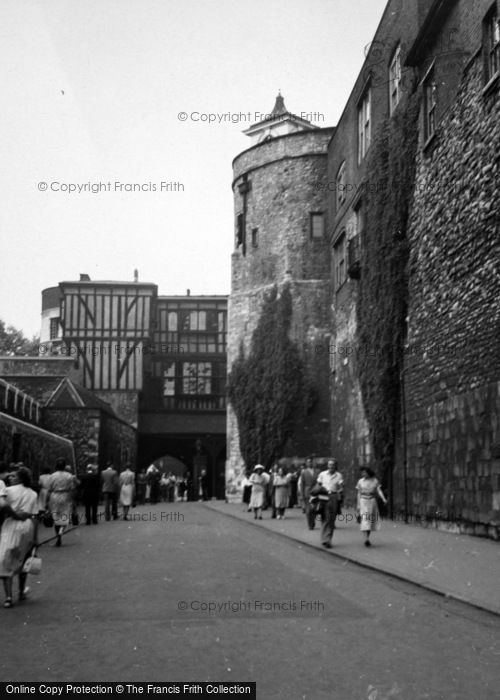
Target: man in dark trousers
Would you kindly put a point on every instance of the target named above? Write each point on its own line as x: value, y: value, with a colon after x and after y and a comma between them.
x: 109, y: 480
x: 307, y: 479
x: 90, y: 486
x: 333, y: 483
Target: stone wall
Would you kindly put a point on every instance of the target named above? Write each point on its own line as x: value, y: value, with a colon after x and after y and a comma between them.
x: 37, y: 448
x: 40, y: 366
x: 350, y: 434
x: 453, y: 358
x: 82, y: 426
x: 97, y: 436
x: 124, y: 403
x: 350, y: 437
x: 284, y: 175
x: 118, y: 443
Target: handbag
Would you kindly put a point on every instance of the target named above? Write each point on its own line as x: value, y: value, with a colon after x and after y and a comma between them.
x: 47, y: 519
x: 33, y: 564
x: 318, y: 490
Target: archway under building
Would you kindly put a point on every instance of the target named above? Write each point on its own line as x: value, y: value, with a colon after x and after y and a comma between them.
x: 193, y: 453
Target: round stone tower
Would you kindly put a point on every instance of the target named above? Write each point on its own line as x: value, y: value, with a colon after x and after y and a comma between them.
x: 279, y: 188
x: 51, y: 329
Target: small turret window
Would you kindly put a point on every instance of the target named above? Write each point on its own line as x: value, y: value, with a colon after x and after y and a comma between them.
x: 317, y: 225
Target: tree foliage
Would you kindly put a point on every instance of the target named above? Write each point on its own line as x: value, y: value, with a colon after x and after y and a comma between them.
x: 383, y: 288
x: 13, y: 342
x: 267, y: 388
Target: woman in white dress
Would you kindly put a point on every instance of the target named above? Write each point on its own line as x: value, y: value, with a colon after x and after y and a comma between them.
x: 126, y: 481
x: 367, y: 512
x: 18, y: 536
x: 43, y: 483
x: 281, y: 487
x: 259, y: 480
x: 60, y: 490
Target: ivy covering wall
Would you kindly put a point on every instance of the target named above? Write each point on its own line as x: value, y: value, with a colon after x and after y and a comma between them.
x: 383, y: 287
x: 268, y: 390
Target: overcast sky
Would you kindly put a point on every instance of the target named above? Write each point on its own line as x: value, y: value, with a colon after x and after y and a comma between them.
x: 91, y: 93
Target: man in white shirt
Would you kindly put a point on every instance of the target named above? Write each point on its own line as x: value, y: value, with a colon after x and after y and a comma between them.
x: 333, y: 483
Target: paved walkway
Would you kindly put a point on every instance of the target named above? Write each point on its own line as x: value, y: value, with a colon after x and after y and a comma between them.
x: 458, y: 566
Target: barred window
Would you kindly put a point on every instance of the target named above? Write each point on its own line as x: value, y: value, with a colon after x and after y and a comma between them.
x: 54, y: 328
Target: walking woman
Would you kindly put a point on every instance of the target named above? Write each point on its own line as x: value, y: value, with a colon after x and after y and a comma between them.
x: 60, y: 491
x: 126, y: 481
x: 259, y: 480
x: 19, y: 504
x: 43, y: 483
x: 367, y: 512
x: 281, y: 486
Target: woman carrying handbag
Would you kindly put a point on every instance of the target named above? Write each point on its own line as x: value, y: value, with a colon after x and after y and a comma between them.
x: 19, y: 530
x: 367, y: 512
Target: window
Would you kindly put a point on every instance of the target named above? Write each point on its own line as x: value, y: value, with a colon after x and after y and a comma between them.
x: 317, y: 226
x: 239, y: 230
x: 339, y: 261
x: 395, y: 80
x: 169, y: 380
x: 340, y: 183
x: 364, y: 124
x: 198, y: 321
x: 172, y: 321
x: 491, y: 43
x: 54, y: 328
x: 430, y: 101
x: 255, y: 238
x: 196, y: 378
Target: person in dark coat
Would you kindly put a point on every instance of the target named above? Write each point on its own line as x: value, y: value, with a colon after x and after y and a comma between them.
x: 109, y: 480
x: 154, y: 478
x: 307, y: 479
x: 189, y: 486
x: 90, y: 486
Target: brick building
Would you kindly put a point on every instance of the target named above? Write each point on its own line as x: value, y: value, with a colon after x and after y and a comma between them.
x: 408, y: 189
x: 444, y: 465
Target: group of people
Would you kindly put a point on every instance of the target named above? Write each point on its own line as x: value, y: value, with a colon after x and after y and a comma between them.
x: 23, y: 506
x: 320, y: 492
x: 154, y: 486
